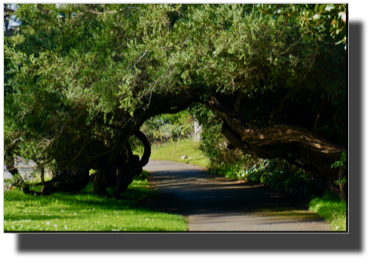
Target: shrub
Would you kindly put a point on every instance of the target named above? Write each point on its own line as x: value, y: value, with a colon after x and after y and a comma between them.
x: 278, y: 174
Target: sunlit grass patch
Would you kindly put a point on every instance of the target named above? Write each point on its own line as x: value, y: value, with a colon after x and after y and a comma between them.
x: 332, y: 209
x: 175, y: 150
x: 86, y: 212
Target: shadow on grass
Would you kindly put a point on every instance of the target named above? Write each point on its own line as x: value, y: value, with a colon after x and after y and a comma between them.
x: 81, y: 212
x: 83, y: 200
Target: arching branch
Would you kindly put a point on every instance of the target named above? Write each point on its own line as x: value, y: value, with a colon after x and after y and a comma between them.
x: 278, y: 141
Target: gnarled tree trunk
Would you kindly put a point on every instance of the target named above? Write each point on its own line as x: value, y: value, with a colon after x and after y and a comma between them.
x: 279, y: 140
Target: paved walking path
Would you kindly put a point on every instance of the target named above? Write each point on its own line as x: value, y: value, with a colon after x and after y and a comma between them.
x: 213, y: 203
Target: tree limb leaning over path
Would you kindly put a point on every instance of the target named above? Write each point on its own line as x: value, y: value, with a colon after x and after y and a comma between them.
x: 277, y: 141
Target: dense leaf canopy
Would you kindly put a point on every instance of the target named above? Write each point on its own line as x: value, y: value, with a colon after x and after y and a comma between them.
x: 274, y: 74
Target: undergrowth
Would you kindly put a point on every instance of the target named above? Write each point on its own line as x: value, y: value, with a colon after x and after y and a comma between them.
x: 332, y: 209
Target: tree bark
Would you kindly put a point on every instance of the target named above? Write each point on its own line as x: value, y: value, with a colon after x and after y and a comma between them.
x: 100, y: 183
x: 343, y: 186
x: 279, y: 140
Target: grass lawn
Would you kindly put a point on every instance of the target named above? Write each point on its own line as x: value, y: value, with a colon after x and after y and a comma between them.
x: 332, y: 209
x: 175, y: 150
x: 86, y: 212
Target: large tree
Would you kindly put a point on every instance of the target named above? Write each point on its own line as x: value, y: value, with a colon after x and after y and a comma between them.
x: 82, y: 79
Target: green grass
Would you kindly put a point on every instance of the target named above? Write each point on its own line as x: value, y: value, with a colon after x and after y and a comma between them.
x: 86, y: 212
x: 175, y: 150
x: 332, y: 209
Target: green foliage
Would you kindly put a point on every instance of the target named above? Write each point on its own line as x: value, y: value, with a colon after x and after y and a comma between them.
x: 169, y: 127
x: 342, y: 162
x: 99, y: 72
x: 283, y: 177
x: 317, y: 20
x: 231, y: 163
x: 234, y: 164
x: 276, y: 174
x: 332, y: 208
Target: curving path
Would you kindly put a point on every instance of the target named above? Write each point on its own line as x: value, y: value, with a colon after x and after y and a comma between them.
x: 213, y: 203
